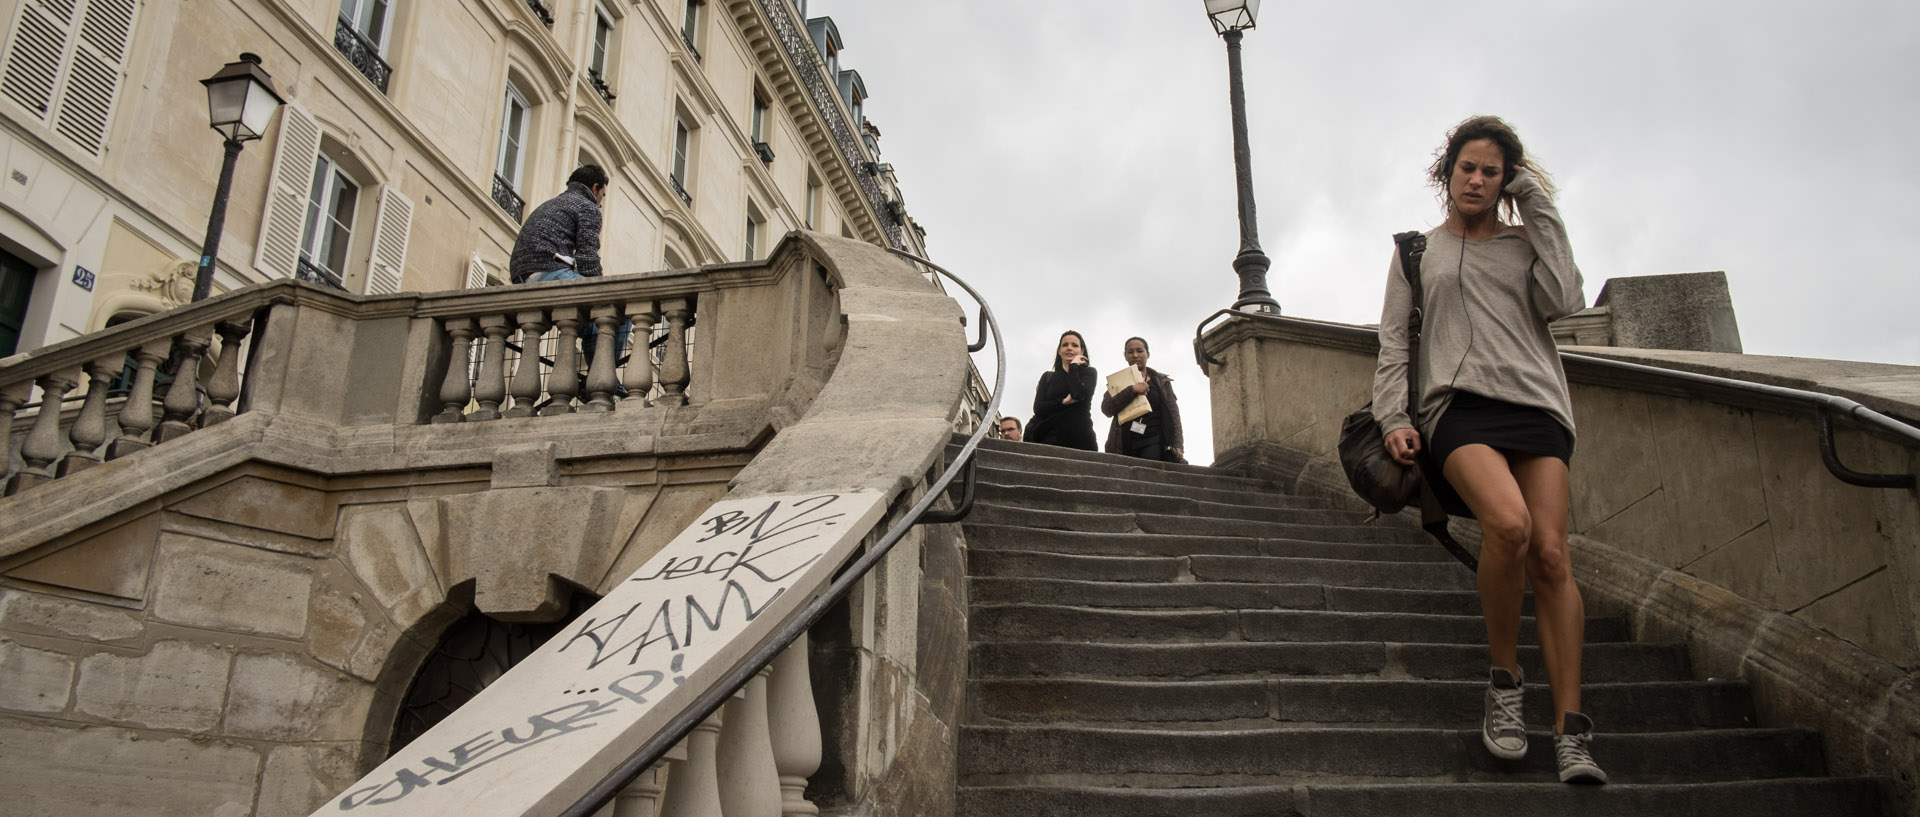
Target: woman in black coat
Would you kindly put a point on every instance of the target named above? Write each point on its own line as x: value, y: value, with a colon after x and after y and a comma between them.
x: 1156, y: 435
x: 1063, y: 402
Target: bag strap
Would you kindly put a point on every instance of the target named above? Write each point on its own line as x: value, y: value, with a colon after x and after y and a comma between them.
x: 1413, y: 245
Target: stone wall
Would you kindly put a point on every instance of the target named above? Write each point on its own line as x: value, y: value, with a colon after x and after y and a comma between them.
x: 1703, y: 512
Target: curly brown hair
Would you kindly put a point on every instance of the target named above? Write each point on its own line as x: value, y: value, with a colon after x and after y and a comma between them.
x: 1503, y: 137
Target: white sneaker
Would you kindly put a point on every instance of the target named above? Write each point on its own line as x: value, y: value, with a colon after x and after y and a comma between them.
x: 1573, y: 748
x: 1502, y: 729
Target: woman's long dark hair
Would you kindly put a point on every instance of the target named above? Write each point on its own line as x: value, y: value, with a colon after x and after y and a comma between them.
x: 1503, y: 136
x: 1061, y: 365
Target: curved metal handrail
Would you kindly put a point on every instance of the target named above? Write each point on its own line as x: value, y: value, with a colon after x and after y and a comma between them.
x: 1828, y: 405
x: 715, y: 696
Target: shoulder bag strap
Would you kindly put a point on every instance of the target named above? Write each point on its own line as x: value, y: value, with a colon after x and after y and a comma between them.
x: 1412, y: 245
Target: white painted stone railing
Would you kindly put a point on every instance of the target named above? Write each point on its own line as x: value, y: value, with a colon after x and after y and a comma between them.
x: 537, y: 739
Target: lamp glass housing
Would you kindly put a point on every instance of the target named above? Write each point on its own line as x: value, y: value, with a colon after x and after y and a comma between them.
x: 241, y: 100
x: 1232, y: 15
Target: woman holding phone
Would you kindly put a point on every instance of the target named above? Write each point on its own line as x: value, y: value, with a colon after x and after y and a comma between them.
x: 1495, y: 421
x: 1062, y: 407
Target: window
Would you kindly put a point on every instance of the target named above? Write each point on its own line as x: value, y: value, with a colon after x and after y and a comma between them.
x: 371, y: 19
x: 63, y: 65
x: 757, y: 125
x: 509, y: 165
x: 328, y: 231
x: 756, y: 225
x: 690, y: 27
x: 602, y: 48
x: 813, y: 199
x: 682, y: 154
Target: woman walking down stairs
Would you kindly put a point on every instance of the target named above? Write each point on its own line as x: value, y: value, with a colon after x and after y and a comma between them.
x: 1152, y: 639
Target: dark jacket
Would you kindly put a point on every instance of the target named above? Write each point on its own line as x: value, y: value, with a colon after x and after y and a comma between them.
x: 568, y: 224
x: 1171, y: 436
x: 1058, y: 423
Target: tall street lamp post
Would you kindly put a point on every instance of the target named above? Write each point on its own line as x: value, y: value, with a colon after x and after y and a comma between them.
x: 1231, y: 18
x: 240, y: 102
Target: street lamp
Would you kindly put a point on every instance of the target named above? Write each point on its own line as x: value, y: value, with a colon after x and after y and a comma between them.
x: 1230, y: 18
x: 240, y: 102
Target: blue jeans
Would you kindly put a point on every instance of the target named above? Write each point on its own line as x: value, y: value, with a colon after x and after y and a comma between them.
x: 591, y: 330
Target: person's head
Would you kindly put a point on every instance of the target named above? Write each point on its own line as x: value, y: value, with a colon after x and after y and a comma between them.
x: 1071, y: 346
x: 1136, y: 352
x: 1470, y: 172
x: 594, y: 178
x: 1010, y: 428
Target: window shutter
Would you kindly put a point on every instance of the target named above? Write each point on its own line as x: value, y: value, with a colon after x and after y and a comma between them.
x: 278, y: 249
x: 389, y: 242
x: 34, y: 53
x: 476, y: 272
x: 86, y: 104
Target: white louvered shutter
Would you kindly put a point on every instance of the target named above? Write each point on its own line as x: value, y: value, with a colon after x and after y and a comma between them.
x: 476, y: 272
x: 278, y: 249
x: 93, y: 76
x: 34, y: 54
x: 389, y: 242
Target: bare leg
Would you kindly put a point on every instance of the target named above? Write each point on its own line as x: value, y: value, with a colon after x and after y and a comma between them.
x: 1485, y: 480
x: 1558, y: 608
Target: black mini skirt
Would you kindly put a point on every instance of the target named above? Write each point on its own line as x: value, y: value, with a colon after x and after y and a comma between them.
x: 1505, y: 427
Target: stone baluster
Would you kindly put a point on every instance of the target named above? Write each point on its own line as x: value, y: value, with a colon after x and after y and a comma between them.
x: 42, y: 445
x: 600, y: 378
x: 563, y: 383
x: 224, y: 387
x: 491, y: 390
x: 639, y: 374
x: 456, y: 389
x: 673, y: 366
x: 745, y: 756
x: 182, y: 402
x: 11, y: 398
x: 693, y: 784
x: 136, y: 414
x: 641, y: 798
x: 89, y: 429
x: 794, y: 727
x: 526, y: 375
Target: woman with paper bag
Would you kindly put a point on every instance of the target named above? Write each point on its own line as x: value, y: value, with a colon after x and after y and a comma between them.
x: 1146, y: 415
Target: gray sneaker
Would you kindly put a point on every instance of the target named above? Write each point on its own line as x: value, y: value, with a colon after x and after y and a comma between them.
x: 1573, y: 748
x: 1502, y: 729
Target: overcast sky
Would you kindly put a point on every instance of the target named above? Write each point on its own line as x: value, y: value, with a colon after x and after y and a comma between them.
x: 1073, y: 158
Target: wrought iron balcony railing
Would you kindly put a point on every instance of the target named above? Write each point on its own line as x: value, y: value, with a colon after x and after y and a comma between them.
x: 685, y: 196
x: 314, y: 273
x: 600, y: 84
x: 688, y: 39
x: 362, y: 53
x: 508, y: 200
x: 540, y: 10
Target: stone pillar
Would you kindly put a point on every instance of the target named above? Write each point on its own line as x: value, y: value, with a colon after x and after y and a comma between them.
x: 42, y: 445
x: 600, y: 378
x: 641, y: 798
x: 11, y: 398
x: 183, y: 396
x: 456, y: 390
x: 90, y: 427
x: 136, y: 414
x: 491, y: 390
x: 673, y: 365
x: 693, y: 786
x: 526, y: 375
x: 224, y: 387
x: 639, y: 374
x: 794, y: 728
x: 746, y: 756
x: 563, y: 383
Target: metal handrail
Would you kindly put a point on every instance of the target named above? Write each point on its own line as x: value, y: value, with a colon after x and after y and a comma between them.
x: 1828, y: 405
x: 715, y: 696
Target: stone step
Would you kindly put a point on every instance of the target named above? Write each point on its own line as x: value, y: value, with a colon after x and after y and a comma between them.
x: 1004, y: 455
x: 1603, y: 663
x: 1225, y: 569
x: 1223, y: 596
x: 1349, y: 543
x: 1098, y: 755
x: 1152, y: 514
x: 998, y: 478
x: 1629, y: 707
x: 1128, y: 525
x: 1037, y: 622
x: 1277, y: 508
x: 1784, y: 797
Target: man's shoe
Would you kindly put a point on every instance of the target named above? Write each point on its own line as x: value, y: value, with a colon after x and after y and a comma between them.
x: 1573, y: 748
x: 1502, y: 729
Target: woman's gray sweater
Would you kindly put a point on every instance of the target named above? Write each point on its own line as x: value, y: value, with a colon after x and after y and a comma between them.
x: 1486, y: 312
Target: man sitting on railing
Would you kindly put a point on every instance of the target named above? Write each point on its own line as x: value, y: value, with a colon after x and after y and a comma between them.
x: 561, y: 242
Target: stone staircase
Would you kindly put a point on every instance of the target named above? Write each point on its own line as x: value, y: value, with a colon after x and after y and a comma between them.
x: 1150, y: 639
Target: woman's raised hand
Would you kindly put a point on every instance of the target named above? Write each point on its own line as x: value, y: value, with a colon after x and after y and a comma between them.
x: 1402, y: 444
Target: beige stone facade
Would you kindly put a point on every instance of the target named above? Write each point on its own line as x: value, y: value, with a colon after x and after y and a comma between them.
x: 413, y: 132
